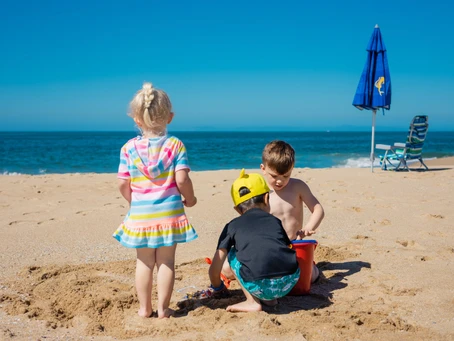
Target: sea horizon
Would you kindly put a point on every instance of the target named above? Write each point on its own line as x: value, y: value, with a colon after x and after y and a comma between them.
x: 250, y: 130
x: 46, y: 152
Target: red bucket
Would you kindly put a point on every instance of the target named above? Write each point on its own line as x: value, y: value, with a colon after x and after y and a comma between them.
x: 305, y: 257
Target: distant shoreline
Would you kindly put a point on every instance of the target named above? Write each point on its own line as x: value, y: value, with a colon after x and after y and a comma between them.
x: 328, y: 131
x: 444, y: 161
x: 98, y: 152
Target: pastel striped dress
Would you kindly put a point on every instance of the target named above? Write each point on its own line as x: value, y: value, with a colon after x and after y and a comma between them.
x: 156, y: 216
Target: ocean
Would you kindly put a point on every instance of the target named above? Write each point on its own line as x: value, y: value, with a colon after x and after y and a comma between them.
x: 98, y: 152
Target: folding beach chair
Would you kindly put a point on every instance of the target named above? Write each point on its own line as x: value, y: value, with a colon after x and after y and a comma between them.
x: 396, y: 156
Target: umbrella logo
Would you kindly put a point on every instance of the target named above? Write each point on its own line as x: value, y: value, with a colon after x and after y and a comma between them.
x: 379, y: 83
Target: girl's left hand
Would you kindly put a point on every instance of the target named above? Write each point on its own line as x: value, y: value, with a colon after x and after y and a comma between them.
x: 190, y: 203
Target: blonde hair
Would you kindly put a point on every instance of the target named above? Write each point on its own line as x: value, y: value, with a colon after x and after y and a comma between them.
x: 279, y: 156
x: 151, y: 107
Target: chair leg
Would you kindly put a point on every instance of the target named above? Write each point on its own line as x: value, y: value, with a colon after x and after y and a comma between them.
x: 384, y: 160
x: 387, y: 163
x: 422, y: 162
x: 403, y: 164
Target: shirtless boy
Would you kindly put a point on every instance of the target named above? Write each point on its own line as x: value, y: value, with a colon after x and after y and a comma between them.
x: 288, y: 194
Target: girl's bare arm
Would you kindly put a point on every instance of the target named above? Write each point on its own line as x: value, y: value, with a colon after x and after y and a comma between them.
x: 125, y: 189
x: 185, y: 187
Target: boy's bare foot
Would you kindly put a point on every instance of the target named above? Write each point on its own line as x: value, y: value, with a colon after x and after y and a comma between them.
x: 269, y: 303
x: 245, y: 306
x: 166, y: 313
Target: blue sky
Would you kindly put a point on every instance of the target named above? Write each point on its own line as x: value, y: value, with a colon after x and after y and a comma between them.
x: 248, y: 65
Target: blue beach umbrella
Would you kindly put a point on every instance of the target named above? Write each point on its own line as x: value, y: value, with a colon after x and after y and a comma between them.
x: 374, y: 88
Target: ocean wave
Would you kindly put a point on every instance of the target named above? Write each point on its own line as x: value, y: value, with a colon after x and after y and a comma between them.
x: 11, y: 173
x: 360, y: 162
x: 39, y: 172
x: 364, y: 162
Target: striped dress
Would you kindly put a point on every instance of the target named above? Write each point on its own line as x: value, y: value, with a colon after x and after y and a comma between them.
x: 156, y: 216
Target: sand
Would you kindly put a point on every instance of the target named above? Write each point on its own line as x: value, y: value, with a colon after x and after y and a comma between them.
x: 386, y: 253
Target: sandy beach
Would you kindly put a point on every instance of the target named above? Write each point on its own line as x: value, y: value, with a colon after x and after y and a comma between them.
x: 386, y: 253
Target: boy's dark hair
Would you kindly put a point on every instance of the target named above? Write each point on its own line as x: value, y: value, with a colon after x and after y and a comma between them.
x: 279, y: 156
x: 251, y: 203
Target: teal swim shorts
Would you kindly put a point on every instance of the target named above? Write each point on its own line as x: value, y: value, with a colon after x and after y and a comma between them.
x: 267, y: 288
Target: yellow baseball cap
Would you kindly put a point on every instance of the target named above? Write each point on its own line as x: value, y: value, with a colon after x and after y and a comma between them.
x: 254, y: 182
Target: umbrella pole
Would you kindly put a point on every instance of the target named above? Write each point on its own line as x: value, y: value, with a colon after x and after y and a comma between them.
x: 372, y: 154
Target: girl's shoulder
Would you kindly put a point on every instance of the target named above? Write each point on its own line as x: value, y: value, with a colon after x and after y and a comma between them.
x: 130, y: 142
x: 173, y: 139
x: 174, y: 143
x: 169, y: 141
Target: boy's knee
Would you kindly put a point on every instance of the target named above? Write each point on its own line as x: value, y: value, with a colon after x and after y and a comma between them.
x: 315, y: 273
x: 227, y: 270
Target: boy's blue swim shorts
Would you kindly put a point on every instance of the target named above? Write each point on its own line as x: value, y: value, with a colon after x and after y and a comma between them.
x: 267, y: 288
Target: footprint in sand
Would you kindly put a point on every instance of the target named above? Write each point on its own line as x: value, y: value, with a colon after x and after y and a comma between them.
x: 112, y: 203
x: 390, y: 290
x: 436, y: 216
x: 402, y: 242
x: 359, y: 236
x: 356, y: 209
x: 18, y: 222
x: 422, y: 258
x: 27, y: 213
x: 406, y: 243
x: 436, y: 234
x: 50, y: 220
x: 84, y: 213
x: 339, y: 191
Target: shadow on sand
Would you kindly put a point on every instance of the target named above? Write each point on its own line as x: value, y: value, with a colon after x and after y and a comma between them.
x: 419, y: 170
x: 319, y: 297
x: 431, y: 169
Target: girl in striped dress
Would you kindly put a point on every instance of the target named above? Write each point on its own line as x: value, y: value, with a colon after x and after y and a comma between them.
x: 153, y: 177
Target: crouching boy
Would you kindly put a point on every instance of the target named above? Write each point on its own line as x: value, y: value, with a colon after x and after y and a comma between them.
x: 257, y: 248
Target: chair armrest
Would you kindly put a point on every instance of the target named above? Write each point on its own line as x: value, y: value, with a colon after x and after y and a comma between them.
x: 399, y: 145
x: 383, y: 146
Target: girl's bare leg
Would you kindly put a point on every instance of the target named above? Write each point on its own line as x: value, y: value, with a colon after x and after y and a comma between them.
x: 165, y: 261
x: 146, y: 259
